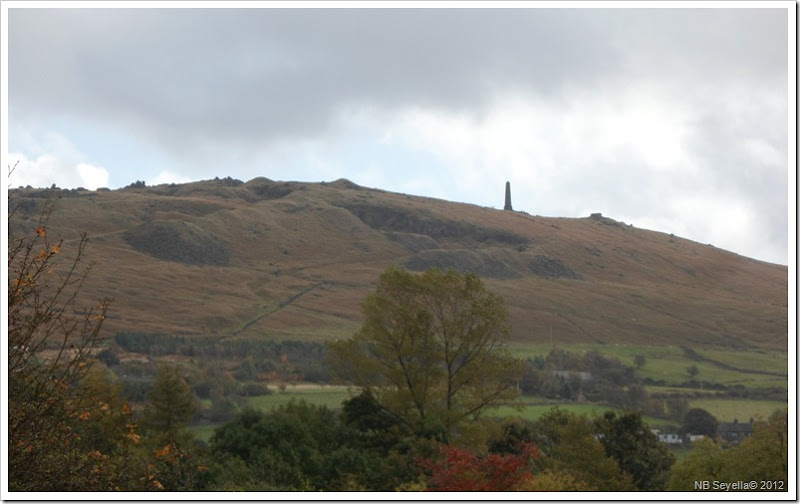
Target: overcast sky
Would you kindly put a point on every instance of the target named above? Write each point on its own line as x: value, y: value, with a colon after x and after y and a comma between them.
x: 675, y: 120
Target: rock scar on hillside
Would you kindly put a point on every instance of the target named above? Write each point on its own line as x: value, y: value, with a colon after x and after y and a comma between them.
x: 548, y: 267
x: 179, y: 241
x: 421, y: 222
x: 411, y: 241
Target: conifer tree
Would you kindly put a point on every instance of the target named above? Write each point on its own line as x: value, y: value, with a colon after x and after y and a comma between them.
x: 171, y: 404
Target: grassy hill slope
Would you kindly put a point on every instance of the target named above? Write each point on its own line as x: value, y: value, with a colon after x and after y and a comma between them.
x: 278, y: 260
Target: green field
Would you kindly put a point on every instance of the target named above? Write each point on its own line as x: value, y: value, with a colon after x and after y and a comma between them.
x: 534, y: 411
x: 669, y: 363
x: 323, y: 395
x: 728, y: 410
x: 331, y: 396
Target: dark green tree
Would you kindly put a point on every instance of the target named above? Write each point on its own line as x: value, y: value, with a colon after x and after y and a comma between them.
x: 514, y: 433
x: 677, y: 407
x: 430, y: 350
x: 636, y: 449
x: 178, y: 461
x: 171, y: 403
x: 380, y: 429
x: 700, y: 421
x: 298, y: 446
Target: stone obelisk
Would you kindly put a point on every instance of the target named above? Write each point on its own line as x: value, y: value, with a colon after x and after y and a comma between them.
x: 508, y: 197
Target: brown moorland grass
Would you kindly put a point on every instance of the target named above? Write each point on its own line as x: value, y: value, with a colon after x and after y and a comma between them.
x: 301, y: 262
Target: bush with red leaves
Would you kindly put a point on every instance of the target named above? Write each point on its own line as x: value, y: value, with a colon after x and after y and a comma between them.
x: 457, y: 470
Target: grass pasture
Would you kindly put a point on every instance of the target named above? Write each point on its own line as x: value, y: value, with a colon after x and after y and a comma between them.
x: 322, y: 395
x: 534, y: 411
x: 753, y: 369
x: 330, y: 396
x: 728, y: 410
x: 668, y: 364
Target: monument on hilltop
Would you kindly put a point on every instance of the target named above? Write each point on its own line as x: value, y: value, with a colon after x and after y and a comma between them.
x: 507, y: 206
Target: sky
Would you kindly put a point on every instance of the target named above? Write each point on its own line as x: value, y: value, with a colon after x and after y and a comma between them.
x: 672, y: 119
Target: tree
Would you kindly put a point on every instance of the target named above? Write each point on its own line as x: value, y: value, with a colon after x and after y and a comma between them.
x: 554, y: 481
x: 458, y: 470
x: 636, y: 449
x: 50, y: 347
x: 700, y: 421
x: 69, y: 429
x: 172, y: 403
x: 111, y: 437
x: 175, y: 459
x: 572, y: 453
x: 109, y: 425
x: 705, y: 462
x: 639, y: 360
x: 693, y: 371
x: 380, y: 429
x: 430, y: 350
x: 677, y: 407
x: 298, y: 446
x: 761, y: 457
x: 764, y: 456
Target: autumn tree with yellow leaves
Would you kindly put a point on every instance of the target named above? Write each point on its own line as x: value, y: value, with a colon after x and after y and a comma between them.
x: 50, y: 349
x: 69, y: 428
x: 431, y: 350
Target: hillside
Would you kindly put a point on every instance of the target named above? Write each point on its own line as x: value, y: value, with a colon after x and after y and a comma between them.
x: 287, y: 260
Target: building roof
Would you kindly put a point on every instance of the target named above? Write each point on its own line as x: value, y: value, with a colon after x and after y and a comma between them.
x: 735, y: 427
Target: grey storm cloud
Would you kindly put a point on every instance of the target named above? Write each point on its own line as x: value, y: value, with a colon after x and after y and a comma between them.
x: 286, y: 71
x: 282, y: 72
x: 266, y: 72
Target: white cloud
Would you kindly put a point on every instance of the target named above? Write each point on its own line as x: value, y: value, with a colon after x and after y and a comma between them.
x: 48, y: 169
x: 723, y: 221
x: 46, y: 157
x: 764, y: 153
x: 553, y: 148
x: 92, y: 176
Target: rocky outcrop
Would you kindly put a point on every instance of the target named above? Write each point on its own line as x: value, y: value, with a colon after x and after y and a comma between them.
x: 266, y: 189
x: 411, y: 241
x: 407, y: 220
x: 548, y: 267
x: 598, y: 217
